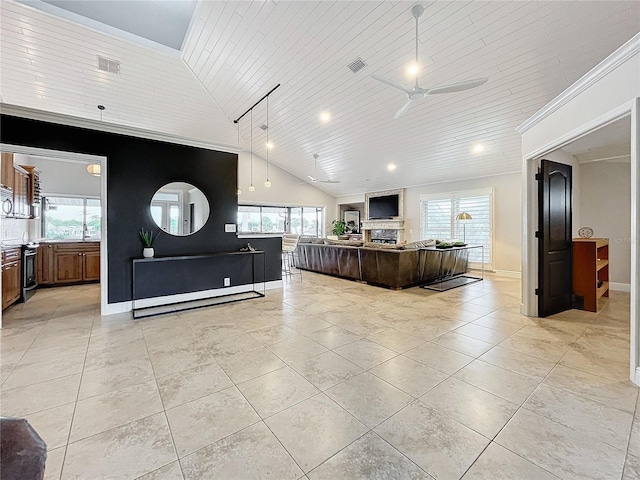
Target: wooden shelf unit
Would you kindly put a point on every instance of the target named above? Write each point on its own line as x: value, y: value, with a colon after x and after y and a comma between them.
x: 590, y: 268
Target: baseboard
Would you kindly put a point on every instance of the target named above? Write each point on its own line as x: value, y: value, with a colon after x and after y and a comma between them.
x: 508, y: 273
x: 124, y: 307
x: 620, y: 287
x: 116, y: 308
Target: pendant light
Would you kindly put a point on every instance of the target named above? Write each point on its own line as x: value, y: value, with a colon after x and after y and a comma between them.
x: 267, y: 182
x: 251, y: 187
x: 238, y: 191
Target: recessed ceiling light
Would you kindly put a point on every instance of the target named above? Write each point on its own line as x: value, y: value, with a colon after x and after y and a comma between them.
x: 413, y: 69
x: 391, y: 167
x: 479, y: 148
x: 270, y: 145
x: 325, y: 117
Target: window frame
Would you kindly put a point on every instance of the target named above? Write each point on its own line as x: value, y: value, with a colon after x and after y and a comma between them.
x: 456, y: 195
x: 84, y: 198
x: 287, y: 223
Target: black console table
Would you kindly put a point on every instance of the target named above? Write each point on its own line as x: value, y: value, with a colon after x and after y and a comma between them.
x: 451, y: 265
x: 168, y: 284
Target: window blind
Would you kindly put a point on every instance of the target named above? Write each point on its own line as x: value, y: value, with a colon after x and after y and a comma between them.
x: 438, y: 220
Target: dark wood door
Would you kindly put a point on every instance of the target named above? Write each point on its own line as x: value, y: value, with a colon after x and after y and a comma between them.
x: 554, y: 238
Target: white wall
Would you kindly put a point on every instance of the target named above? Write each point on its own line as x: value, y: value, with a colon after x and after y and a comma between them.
x: 507, y: 214
x: 605, y: 204
x: 616, y: 88
x: 286, y: 189
x: 62, y: 177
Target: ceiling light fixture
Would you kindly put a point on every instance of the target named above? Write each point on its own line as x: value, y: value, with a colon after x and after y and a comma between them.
x: 325, y: 117
x: 265, y: 127
x: 101, y: 108
x: 93, y: 169
x: 267, y: 182
x: 479, y: 148
x: 391, y: 167
x: 412, y: 70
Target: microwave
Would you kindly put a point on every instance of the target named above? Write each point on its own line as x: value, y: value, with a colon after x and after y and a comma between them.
x: 7, y: 202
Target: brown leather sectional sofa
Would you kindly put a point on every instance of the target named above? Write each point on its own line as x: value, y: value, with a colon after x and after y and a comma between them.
x: 390, y: 268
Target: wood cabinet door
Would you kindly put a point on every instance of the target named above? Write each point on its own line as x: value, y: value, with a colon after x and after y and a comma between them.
x: 68, y: 267
x: 91, y: 266
x: 10, y: 283
x: 45, y: 265
x: 6, y: 274
x: 7, y: 170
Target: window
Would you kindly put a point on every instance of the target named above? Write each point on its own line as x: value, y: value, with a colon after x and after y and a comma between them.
x: 438, y: 220
x: 306, y: 221
x: 71, y: 218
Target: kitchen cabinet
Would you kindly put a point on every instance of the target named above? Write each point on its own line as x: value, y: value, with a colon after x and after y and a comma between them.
x: 21, y: 192
x: 91, y: 266
x: 34, y: 191
x: 6, y: 174
x: 11, y: 265
x: 69, y: 262
x: 44, y: 261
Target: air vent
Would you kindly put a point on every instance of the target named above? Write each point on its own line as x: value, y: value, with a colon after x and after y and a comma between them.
x: 357, y: 65
x: 108, y: 65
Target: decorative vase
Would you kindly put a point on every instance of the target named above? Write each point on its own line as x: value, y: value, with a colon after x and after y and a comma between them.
x: 147, y: 252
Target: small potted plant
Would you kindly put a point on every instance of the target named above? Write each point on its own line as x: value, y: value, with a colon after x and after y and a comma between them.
x: 339, y: 227
x: 147, y: 240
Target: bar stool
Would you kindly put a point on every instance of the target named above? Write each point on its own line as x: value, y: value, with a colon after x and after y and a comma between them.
x: 289, y: 254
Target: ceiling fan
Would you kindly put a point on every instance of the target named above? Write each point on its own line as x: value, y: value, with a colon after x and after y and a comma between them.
x: 417, y: 92
x: 315, y: 172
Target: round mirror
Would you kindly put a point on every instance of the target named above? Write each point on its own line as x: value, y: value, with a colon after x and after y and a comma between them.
x: 179, y: 208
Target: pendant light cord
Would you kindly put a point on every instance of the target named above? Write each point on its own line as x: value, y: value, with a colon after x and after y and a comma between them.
x: 268, y: 128
x: 251, y: 148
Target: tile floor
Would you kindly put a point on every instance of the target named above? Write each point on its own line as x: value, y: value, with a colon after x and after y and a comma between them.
x: 326, y: 379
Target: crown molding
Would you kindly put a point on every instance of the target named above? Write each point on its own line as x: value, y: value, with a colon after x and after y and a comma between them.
x: 613, y: 61
x: 90, y: 124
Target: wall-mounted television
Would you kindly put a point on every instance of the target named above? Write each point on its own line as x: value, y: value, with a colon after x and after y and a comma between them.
x: 384, y: 207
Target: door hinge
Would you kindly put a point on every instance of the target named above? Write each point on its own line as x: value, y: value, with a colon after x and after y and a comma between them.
x: 538, y: 176
x: 537, y: 292
x: 537, y: 234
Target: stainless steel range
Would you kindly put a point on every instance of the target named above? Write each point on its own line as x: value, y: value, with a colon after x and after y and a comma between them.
x: 28, y: 282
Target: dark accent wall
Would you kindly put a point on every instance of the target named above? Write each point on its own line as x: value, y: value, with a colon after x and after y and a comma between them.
x: 136, y: 168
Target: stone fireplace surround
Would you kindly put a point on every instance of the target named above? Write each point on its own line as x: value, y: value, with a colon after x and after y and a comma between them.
x: 384, y: 230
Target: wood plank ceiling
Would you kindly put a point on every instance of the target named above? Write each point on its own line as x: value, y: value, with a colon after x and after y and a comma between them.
x: 237, y: 51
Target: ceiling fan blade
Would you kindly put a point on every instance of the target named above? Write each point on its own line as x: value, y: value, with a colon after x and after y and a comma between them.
x: 328, y: 181
x: 311, y: 178
x: 458, y: 87
x: 391, y: 83
x: 402, y: 110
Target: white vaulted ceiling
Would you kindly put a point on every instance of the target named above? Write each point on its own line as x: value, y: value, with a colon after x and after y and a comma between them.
x: 237, y: 51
